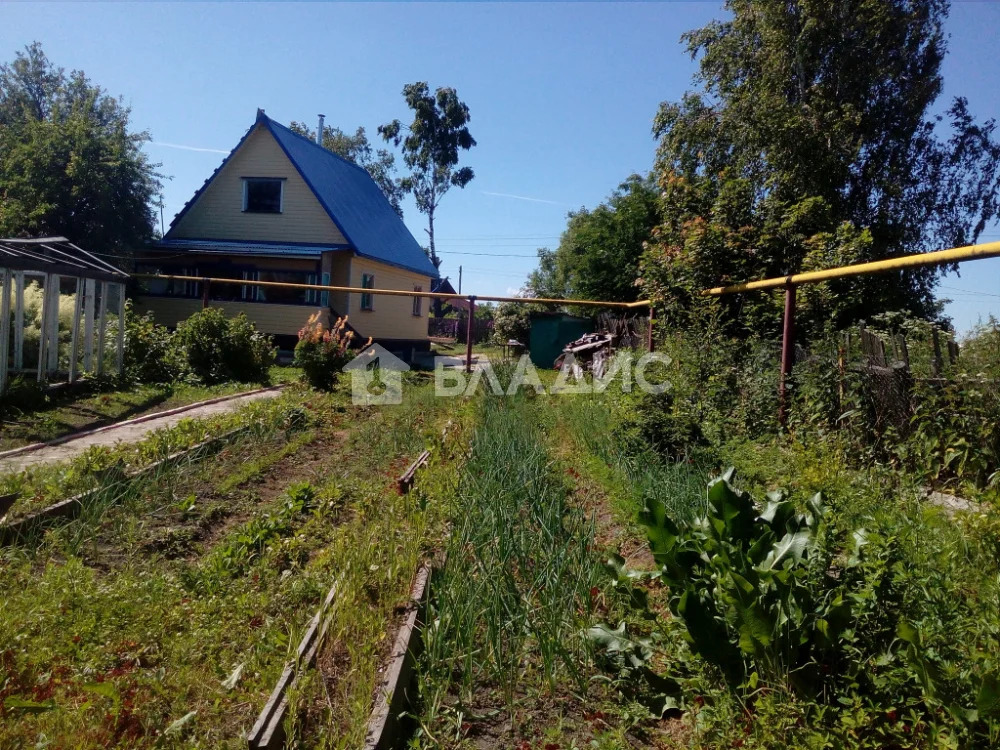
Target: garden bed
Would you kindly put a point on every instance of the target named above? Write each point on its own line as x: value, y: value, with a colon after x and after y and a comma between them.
x: 165, y: 620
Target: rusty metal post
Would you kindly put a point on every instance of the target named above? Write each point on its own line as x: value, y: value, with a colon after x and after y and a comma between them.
x: 937, y: 363
x: 205, y: 284
x: 841, y: 375
x: 787, y: 354
x: 649, y: 333
x: 468, y: 334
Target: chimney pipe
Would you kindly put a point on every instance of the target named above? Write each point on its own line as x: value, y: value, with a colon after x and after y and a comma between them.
x: 319, y: 131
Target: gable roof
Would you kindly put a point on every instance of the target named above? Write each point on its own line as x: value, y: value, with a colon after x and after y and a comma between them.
x: 349, y: 196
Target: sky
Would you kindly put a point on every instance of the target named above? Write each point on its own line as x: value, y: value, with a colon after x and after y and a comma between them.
x: 562, y: 98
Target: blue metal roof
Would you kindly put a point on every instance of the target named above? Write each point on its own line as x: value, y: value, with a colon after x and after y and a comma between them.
x: 349, y: 196
x: 353, y: 201
x: 243, y: 247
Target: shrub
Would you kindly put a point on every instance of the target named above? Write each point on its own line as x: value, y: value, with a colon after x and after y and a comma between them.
x: 219, y: 349
x: 512, y: 320
x: 151, y: 354
x: 323, y: 353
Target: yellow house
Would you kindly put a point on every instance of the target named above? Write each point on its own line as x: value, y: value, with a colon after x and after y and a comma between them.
x: 282, y: 208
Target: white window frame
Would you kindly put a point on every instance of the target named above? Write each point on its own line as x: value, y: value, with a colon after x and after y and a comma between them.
x: 281, y: 193
x: 249, y: 293
x: 315, y: 296
x: 367, y: 282
x: 418, y: 302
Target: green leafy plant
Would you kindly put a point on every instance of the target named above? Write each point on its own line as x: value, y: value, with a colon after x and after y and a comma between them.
x: 746, y: 587
x: 151, y: 354
x: 218, y: 348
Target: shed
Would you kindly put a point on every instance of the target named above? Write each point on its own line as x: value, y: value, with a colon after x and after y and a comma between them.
x: 55, y: 264
x: 550, y: 332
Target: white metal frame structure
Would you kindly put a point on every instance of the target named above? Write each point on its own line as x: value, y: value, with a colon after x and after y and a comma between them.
x: 48, y: 261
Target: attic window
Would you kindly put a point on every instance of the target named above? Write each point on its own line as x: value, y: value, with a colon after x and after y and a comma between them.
x: 262, y: 195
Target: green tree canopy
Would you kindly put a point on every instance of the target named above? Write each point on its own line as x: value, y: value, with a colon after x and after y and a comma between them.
x: 813, y: 142
x: 380, y: 163
x: 599, y: 252
x: 432, y: 144
x: 69, y: 164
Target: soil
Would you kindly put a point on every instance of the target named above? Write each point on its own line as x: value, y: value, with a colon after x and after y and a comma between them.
x: 171, y: 533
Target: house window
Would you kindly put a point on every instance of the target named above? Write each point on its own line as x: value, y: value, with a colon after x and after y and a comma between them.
x: 368, y: 300
x: 315, y: 296
x: 262, y: 195
x: 418, y: 302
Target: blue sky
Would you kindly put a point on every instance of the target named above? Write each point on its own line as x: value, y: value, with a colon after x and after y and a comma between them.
x: 562, y: 98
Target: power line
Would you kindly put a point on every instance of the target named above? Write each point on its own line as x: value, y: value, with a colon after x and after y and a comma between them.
x: 968, y: 291
x: 489, y: 255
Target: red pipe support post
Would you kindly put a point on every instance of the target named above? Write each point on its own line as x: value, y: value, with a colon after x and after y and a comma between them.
x: 468, y: 334
x: 787, y: 354
x: 649, y: 333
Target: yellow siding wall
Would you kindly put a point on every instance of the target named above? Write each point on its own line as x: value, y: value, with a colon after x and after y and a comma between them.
x: 218, y: 212
x: 269, y: 318
x: 166, y: 311
x: 392, y: 317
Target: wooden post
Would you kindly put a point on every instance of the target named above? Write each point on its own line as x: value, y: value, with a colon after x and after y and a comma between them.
x: 102, y: 325
x: 6, y: 280
x: 19, y: 320
x: 649, y: 333
x: 120, y: 353
x: 787, y: 354
x: 468, y: 334
x: 89, y: 286
x: 205, y: 284
x: 74, y: 345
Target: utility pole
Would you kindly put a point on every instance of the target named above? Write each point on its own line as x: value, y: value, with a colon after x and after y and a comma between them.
x: 459, y: 279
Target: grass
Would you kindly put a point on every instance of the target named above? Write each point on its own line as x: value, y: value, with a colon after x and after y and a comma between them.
x: 45, y: 484
x: 64, y: 413
x: 510, y: 602
x: 167, y: 624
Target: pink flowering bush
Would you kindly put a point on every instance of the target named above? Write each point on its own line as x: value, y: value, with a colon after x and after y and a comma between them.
x: 322, y: 353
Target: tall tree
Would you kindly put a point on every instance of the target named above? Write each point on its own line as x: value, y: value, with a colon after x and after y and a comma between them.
x: 431, y: 146
x: 812, y: 143
x: 69, y: 164
x: 380, y: 164
x: 599, y: 253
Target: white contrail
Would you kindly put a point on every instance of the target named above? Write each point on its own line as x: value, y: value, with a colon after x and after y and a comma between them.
x: 523, y: 198
x: 189, y: 148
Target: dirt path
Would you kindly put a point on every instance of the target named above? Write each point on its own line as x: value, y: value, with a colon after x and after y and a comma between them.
x: 128, y: 432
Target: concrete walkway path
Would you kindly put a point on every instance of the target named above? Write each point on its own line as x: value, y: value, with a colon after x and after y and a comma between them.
x: 130, y: 431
